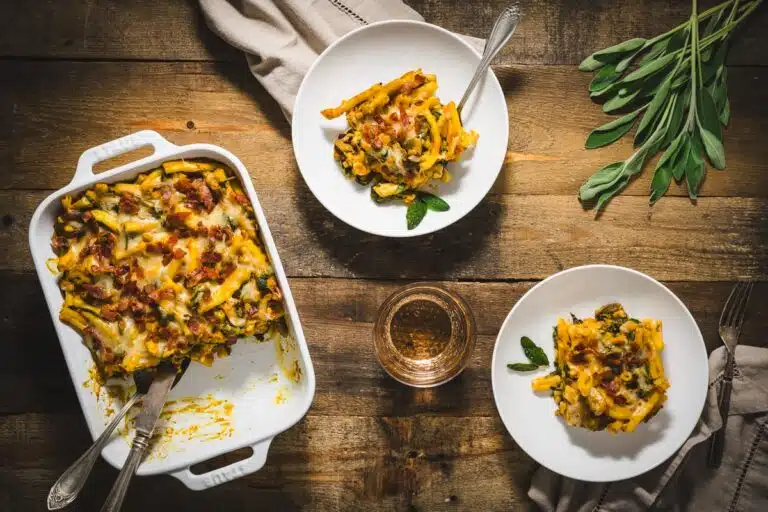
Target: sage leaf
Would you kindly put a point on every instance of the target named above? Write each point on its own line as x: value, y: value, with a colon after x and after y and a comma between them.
x: 590, y: 64
x: 611, y: 131
x: 676, y: 116
x: 707, y: 115
x: 604, y: 77
x: 619, y: 49
x: 650, y: 68
x: 433, y: 202
x: 522, y: 367
x: 725, y: 112
x: 714, y: 65
x: 533, y: 352
x: 652, y: 112
x: 656, y: 50
x: 415, y: 213
x: 635, y: 163
x: 601, y: 180
x: 713, y: 147
x: 610, y: 193
x: 694, y: 171
x: 619, y: 102
x: 671, y: 156
x: 681, y: 159
x: 662, y: 177
x: 710, y: 27
x: 625, y: 62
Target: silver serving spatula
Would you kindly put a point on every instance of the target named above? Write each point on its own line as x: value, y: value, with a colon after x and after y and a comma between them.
x: 145, y: 424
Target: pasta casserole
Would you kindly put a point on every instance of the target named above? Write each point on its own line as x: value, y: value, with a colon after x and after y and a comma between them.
x: 165, y: 267
x: 399, y: 136
x: 608, y: 370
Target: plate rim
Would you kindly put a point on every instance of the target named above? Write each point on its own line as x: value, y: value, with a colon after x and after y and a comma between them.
x: 633, y: 473
x: 400, y: 233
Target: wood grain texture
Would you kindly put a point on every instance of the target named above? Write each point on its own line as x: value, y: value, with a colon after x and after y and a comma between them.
x: 552, y: 32
x: 323, y: 463
x: 53, y: 111
x: 338, y: 324
x: 566, y: 31
x: 504, y: 237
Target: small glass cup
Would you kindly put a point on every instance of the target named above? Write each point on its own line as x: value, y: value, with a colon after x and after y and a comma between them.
x: 424, y: 335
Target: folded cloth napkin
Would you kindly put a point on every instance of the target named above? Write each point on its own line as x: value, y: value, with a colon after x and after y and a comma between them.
x: 685, y: 482
x: 282, y: 38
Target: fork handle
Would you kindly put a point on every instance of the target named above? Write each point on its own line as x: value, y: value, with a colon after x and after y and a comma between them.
x: 717, y: 444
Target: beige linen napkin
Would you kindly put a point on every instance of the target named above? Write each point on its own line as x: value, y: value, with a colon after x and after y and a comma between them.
x: 282, y: 38
x: 685, y: 483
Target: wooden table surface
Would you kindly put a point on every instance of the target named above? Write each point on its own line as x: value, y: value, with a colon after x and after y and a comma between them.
x: 79, y: 73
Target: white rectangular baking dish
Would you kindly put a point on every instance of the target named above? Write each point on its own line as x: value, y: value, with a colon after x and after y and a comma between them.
x: 265, y: 401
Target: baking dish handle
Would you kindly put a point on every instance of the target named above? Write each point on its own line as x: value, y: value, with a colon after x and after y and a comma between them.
x: 91, y: 157
x: 228, y: 473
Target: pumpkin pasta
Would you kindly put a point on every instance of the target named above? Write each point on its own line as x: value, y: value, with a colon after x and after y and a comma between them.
x: 608, y: 371
x: 399, y: 137
x: 166, y: 267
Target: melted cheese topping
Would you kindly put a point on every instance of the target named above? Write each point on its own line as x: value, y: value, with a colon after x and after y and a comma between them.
x: 166, y: 267
x: 399, y: 135
x: 608, y: 372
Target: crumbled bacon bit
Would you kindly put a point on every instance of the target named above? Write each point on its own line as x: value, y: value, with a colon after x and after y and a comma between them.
x: 177, y: 219
x: 404, y: 117
x: 194, y: 325
x: 378, y: 119
x: 154, y: 248
x: 204, y: 193
x: 201, y: 274
x: 87, y: 216
x: 109, y: 312
x: 121, y: 270
x: 207, y: 294
x: 59, y: 242
x: 167, y: 257
x: 210, y: 257
x: 376, y: 143
x: 220, y: 232
x: 129, y: 204
x: 123, y: 305
x: 97, y: 292
x: 130, y: 288
x: 240, y: 198
x: 231, y: 340
x: 178, y: 253
x: 165, y: 195
x: 226, y: 268
x: 393, y: 117
x: 161, y: 294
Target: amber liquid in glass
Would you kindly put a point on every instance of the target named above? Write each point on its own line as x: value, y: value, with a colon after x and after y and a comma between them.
x: 421, y: 328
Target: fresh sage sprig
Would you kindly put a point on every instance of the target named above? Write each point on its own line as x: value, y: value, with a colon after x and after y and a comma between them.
x: 676, y: 85
x: 418, y: 208
x: 535, y: 355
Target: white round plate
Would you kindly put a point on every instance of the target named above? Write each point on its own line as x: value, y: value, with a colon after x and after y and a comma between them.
x: 577, y: 452
x: 381, y: 52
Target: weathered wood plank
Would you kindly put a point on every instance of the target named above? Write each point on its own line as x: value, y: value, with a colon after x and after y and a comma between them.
x: 338, y: 324
x: 53, y: 111
x: 110, y: 29
x: 566, y: 31
x: 323, y: 463
x: 505, y: 237
x: 553, y: 32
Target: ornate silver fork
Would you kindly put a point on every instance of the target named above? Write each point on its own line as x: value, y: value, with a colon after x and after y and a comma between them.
x: 731, y: 321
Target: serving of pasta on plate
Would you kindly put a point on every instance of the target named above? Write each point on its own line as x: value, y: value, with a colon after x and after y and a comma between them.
x: 608, y: 370
x: 400, y: 137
